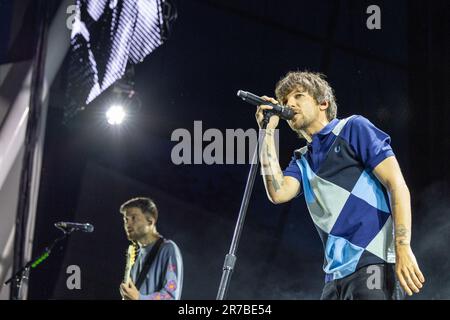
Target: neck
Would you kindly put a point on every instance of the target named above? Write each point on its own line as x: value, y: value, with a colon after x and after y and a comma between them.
x: 313, y: 128
x: 148, y: 239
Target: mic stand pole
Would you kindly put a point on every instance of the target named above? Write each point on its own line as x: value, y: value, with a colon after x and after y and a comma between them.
x: 230, y: 258
x: 23, y: 272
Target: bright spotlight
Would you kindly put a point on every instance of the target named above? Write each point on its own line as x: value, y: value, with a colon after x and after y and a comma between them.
x: 115, y: 115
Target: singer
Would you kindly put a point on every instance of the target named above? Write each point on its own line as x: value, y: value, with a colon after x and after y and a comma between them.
x: 347, y: 172
x: 164, y: 278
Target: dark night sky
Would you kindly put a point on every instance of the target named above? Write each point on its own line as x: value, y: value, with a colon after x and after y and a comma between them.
x: 216, y: 48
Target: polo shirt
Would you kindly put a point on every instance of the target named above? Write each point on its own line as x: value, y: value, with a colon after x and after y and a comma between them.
x: 347, y: 203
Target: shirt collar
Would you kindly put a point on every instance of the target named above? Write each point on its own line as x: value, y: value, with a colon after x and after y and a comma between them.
x: 328, y: 128
x: 325, y: 131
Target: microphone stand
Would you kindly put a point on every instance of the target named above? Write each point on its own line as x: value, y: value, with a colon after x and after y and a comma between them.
x: 23, y: 272
x: 230, y: 258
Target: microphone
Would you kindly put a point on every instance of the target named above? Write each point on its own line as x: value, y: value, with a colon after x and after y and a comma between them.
x: 85, y: 227
x: 284, y: 112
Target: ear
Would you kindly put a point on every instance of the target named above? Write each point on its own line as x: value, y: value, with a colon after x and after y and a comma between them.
x: 324, y: 105
x: 150, y: 219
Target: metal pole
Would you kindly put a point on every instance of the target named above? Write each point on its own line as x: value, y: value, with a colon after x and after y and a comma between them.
x: 34, y: 119
x: 230, y: 258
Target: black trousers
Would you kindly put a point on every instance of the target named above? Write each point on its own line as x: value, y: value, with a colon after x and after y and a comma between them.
x: 373, y: 282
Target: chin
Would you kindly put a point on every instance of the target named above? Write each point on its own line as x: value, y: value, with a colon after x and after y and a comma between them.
x: 297, y: 126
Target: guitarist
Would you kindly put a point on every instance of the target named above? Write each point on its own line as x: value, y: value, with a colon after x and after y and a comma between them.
x: 161, y: 257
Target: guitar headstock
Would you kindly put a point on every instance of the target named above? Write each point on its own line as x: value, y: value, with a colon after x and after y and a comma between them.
x: 130, y: 259
x: 131, y: 254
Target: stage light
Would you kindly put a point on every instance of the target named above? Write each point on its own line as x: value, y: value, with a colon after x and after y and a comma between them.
x: 115, y: 115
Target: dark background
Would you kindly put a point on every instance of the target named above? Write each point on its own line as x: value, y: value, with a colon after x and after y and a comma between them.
x: 398, y: 77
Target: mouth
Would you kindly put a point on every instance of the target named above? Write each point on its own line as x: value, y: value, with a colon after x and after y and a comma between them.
x: 295, y: 117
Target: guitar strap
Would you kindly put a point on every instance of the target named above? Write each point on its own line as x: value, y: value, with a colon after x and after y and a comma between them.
x: 148, y: 262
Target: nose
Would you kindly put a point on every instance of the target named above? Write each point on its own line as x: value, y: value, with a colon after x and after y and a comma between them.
x: 291, y: 103
x: 294, y: 108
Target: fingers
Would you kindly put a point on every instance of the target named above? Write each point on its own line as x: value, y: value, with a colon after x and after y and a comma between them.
x: 122, y: 290
x: 410, y: 281
x: 403, y: 283
x: 125, y: 291
x: 415, y: 279
x: 125, y: 288
x: 270, y: 99
x: 267, y: 107
x: 408, y: 271
x: 260, y: 113
x: 419, y: 273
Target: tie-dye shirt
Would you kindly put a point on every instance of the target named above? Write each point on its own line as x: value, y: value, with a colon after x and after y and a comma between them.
x: 164, y: 280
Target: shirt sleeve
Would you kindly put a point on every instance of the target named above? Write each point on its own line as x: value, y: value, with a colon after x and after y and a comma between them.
x: 172, y: 276
x: 370, y: 143
x: 292, y: 170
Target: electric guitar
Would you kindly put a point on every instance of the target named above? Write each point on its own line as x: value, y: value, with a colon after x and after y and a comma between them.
x: 130, y: 259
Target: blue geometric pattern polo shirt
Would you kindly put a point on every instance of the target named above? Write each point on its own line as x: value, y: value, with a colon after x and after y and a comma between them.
x: 349, y: 206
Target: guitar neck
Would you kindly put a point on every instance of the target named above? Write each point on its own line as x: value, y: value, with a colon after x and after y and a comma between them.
x: 127, y: 273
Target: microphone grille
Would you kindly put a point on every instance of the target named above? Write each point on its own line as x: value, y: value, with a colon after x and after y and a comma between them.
x: 89, y: 227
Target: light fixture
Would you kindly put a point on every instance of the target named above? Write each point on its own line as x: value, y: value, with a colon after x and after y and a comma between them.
x: 115, y: 115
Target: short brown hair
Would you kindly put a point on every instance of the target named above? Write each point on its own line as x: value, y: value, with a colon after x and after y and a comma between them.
x: 314, y: 83
x: 146, y: 205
